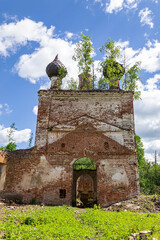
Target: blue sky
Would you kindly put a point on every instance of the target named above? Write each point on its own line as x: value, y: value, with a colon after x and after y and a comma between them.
x: 33, y: 32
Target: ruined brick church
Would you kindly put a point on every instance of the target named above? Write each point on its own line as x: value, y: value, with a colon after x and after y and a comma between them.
x: 75, y: 125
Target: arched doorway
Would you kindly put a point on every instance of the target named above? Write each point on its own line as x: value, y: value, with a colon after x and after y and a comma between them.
x: 84, y: 191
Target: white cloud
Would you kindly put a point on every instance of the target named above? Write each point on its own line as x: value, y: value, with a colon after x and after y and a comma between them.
x: 147, y: 110
x: 146, y: 17
x: 35, y: 110
x: 131, y: 3
x: 9, y: 17
x: 46, y: 85
x: 147, y: 115
x: 148, y: 56
x: 118, y: 5
x: 5, y: 109
x: 123, y: 45
x: 12, y: 35
x: 151, y: 157
x: 69, y: 35
x: 97, y: 68
x: 127, y: 53
x: 18, y: 136
x: 114, y: 5
x: 152, y: 84
x: 32, y: 66
x: 149, y: 44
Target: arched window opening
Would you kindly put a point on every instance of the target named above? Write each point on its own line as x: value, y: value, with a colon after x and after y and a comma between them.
x: 84, y: 163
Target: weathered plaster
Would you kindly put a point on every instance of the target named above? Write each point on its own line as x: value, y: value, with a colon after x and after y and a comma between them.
x: 44, y: 173
x: 2, y: 176
x: 54, y: 136
x: 116, y: 136
x: 3, y: 156
x: 117, y: 174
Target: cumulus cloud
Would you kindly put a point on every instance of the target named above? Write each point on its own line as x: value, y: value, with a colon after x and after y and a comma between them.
x: 32, y: 66
x: 127, y: 53
x: 5, y: 109
x: 18, y: 136
x: 147, y: 116
x: 147, y: 111
x: 12, y: 35
x: 146, y: 17
x: 148, y: 55
x: 35, y: 110
x: 116, y: 6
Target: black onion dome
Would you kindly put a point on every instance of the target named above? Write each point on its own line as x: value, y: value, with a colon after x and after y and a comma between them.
x: 53, y: 67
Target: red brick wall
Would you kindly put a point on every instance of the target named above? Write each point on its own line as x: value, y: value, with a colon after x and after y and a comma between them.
x: 85, y: 184
x: 71, y: 125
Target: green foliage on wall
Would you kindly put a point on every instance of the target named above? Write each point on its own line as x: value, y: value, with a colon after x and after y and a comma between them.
x: 84, y: 163
x: 83, y: 55
x: 131, y: 79
x: 72, y: 84
x: 111, y: 70
x: 11, y: 146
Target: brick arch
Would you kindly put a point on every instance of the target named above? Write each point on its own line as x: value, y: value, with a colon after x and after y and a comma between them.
x: 82, y: 172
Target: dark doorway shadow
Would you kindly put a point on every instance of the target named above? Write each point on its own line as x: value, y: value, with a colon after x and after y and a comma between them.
x: 84, y: 187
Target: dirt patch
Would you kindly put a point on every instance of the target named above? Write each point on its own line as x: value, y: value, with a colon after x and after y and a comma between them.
x: 139, y: 204
x: 142, y: 203
x: 79, y: 211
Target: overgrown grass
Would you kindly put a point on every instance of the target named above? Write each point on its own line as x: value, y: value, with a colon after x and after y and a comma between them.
x: 120, y: 225
x: 50, y: 223
x: 44, y: 223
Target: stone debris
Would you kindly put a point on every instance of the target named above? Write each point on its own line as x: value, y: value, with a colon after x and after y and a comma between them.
x: 141, y: 235
x: 141, y: 203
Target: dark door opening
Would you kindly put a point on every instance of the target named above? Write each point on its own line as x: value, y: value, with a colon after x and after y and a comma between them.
x: 84, y: 191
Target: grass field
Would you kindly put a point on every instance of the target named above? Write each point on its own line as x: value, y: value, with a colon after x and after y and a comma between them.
x: 37, y: 222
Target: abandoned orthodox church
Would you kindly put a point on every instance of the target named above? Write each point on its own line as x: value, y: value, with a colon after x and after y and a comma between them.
x: 84, y: 149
